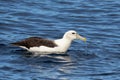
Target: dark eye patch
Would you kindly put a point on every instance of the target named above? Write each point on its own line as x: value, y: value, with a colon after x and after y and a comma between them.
x: 73, y: 33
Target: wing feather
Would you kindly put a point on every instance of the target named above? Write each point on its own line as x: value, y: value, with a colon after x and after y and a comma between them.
x: 35, y: 42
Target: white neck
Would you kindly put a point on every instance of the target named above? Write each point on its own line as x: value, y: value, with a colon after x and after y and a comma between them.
x: 63, y: 44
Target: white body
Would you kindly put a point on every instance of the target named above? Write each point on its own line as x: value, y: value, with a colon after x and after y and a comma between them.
x: 62, y: 47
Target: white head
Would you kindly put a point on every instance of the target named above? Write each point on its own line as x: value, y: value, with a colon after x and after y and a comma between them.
x: 71, y: 35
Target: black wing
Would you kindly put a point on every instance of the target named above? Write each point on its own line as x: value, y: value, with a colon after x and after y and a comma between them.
x: 35, y: 42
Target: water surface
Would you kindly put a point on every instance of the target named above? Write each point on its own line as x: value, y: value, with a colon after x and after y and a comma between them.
x: 95, y: 19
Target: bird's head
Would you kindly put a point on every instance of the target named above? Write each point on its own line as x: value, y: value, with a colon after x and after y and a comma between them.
x: 71, y: 35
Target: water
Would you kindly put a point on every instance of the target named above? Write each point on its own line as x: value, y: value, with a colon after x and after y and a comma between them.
x: 95, y: 19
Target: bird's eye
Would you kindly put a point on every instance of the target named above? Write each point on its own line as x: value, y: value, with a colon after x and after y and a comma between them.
x: 73, y: 33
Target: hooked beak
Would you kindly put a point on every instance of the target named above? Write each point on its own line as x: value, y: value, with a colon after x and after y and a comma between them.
x: 81, y: 38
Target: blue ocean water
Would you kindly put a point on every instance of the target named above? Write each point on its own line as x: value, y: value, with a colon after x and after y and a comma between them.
x: 98, y: 20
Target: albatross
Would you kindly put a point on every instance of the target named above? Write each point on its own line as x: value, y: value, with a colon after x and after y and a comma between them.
x: 44, y: 46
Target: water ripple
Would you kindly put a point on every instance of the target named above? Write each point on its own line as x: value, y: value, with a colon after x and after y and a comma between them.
x: 97, y: 20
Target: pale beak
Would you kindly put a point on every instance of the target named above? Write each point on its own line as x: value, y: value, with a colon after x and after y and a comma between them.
x: 81, y: 38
